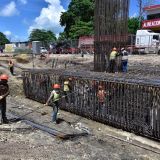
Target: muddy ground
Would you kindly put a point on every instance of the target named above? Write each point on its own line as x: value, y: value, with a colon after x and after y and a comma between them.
x: 20, y: 141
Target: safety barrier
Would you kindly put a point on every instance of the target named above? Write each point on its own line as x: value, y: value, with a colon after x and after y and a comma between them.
x: 130, y: 104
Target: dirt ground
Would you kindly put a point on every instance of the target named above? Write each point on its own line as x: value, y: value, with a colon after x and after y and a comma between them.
x: 19, y: 141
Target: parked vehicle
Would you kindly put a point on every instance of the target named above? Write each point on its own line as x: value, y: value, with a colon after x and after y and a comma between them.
x: 147, y: 41
x: 43, y: 50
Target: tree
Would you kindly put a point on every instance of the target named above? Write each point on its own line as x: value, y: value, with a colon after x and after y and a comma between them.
x: 79, y: 12
x: 80, y: 29
x: 62, y: 36
x: 42, y: 35
x: 133, y: 25
x: 3, y: 39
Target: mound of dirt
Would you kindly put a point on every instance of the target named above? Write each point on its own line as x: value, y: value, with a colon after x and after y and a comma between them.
x: 22, y: 58
x: 16, y: 87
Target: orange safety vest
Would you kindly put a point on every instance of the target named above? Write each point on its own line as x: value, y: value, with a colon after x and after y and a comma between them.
x: 101, y: 96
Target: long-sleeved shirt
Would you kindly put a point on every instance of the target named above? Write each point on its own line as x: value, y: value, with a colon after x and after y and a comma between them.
x: 4, y: 90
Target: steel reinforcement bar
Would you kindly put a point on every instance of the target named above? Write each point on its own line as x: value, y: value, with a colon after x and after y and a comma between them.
x: 127, y: 103
x: 111, y: 29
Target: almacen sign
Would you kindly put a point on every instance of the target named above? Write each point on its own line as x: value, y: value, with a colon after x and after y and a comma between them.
x: 151, y: 23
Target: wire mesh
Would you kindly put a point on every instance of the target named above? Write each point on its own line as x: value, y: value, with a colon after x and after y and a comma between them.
x: 130, y: 104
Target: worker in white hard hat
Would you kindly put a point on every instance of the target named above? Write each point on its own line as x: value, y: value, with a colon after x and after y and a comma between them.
x: 124, y: 60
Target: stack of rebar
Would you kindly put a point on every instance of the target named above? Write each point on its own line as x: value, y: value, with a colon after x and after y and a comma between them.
x: 111, y: 29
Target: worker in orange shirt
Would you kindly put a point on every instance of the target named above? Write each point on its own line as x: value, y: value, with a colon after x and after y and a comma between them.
x: 11, y: 66
x: 101, y: 95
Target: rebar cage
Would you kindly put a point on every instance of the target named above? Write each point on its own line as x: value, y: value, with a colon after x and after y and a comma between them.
x: 111, y: 29
x: 129, y: 104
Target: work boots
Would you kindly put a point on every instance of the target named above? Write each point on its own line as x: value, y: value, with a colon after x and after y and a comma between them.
x: 4, y: 121
x: 1, y: 121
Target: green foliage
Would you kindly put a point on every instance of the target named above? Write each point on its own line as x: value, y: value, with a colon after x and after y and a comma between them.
x: 78, y: 20
x: 79, y: 16
x: 62, y: 36
x: 80, y: 29
x: 42, y: 35
x: 133, y: 25
x: 3, y: 39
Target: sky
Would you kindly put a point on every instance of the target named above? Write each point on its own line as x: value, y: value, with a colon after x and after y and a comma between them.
x: 19, y: 17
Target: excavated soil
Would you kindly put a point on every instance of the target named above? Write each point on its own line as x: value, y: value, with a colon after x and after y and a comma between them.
x: 19, y: 141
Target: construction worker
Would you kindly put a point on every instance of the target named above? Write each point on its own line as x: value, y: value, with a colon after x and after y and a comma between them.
x: 11, y: 66
x: 119, y: 62
x: 4, y: 92
x: 101, y: 95
x: 112, y: 59
x: 124, y: 60
x: 55, y: 94
x: 67, y: 89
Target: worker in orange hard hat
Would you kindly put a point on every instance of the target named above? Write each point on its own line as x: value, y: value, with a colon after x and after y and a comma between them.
x: 4, y: 92
x: 112, y: 60
x: 55, y: 94
x: 56, y: 86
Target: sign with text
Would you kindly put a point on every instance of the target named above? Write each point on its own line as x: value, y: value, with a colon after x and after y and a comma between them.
x: 151, y: 23
x: 9, y: 48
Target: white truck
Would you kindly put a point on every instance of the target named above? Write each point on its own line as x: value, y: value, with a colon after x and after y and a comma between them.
x: 147, y: 41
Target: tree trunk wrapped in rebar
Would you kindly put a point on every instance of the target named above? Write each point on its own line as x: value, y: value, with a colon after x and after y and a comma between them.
x: 111, y: 28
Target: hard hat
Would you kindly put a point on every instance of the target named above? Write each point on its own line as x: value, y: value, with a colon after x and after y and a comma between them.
x: 122, y: 49
x: 66, y: 82
x: 56, y: 86
x: 70, y: 78
x: 100, y: 87
x: 4, y: 77
x: 114, y: 49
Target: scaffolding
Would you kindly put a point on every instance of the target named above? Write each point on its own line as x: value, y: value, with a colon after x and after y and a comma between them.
x: 111, y: 25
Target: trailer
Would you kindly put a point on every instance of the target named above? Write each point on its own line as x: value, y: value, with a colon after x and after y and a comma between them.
x: 147, y: 42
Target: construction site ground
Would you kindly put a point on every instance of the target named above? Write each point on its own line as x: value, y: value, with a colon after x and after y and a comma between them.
x: 20, y: 141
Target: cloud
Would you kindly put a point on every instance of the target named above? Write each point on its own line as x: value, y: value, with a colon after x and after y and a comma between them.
x: 23, y: 1
x: 11, y: 37
x: 134, y: 15
x: 49, y: 17
x: 7, y: 33
x: 24, y: 21
x: 9, y: 10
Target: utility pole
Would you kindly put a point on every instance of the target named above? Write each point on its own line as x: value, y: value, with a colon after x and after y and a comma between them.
x: 140, y: 6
